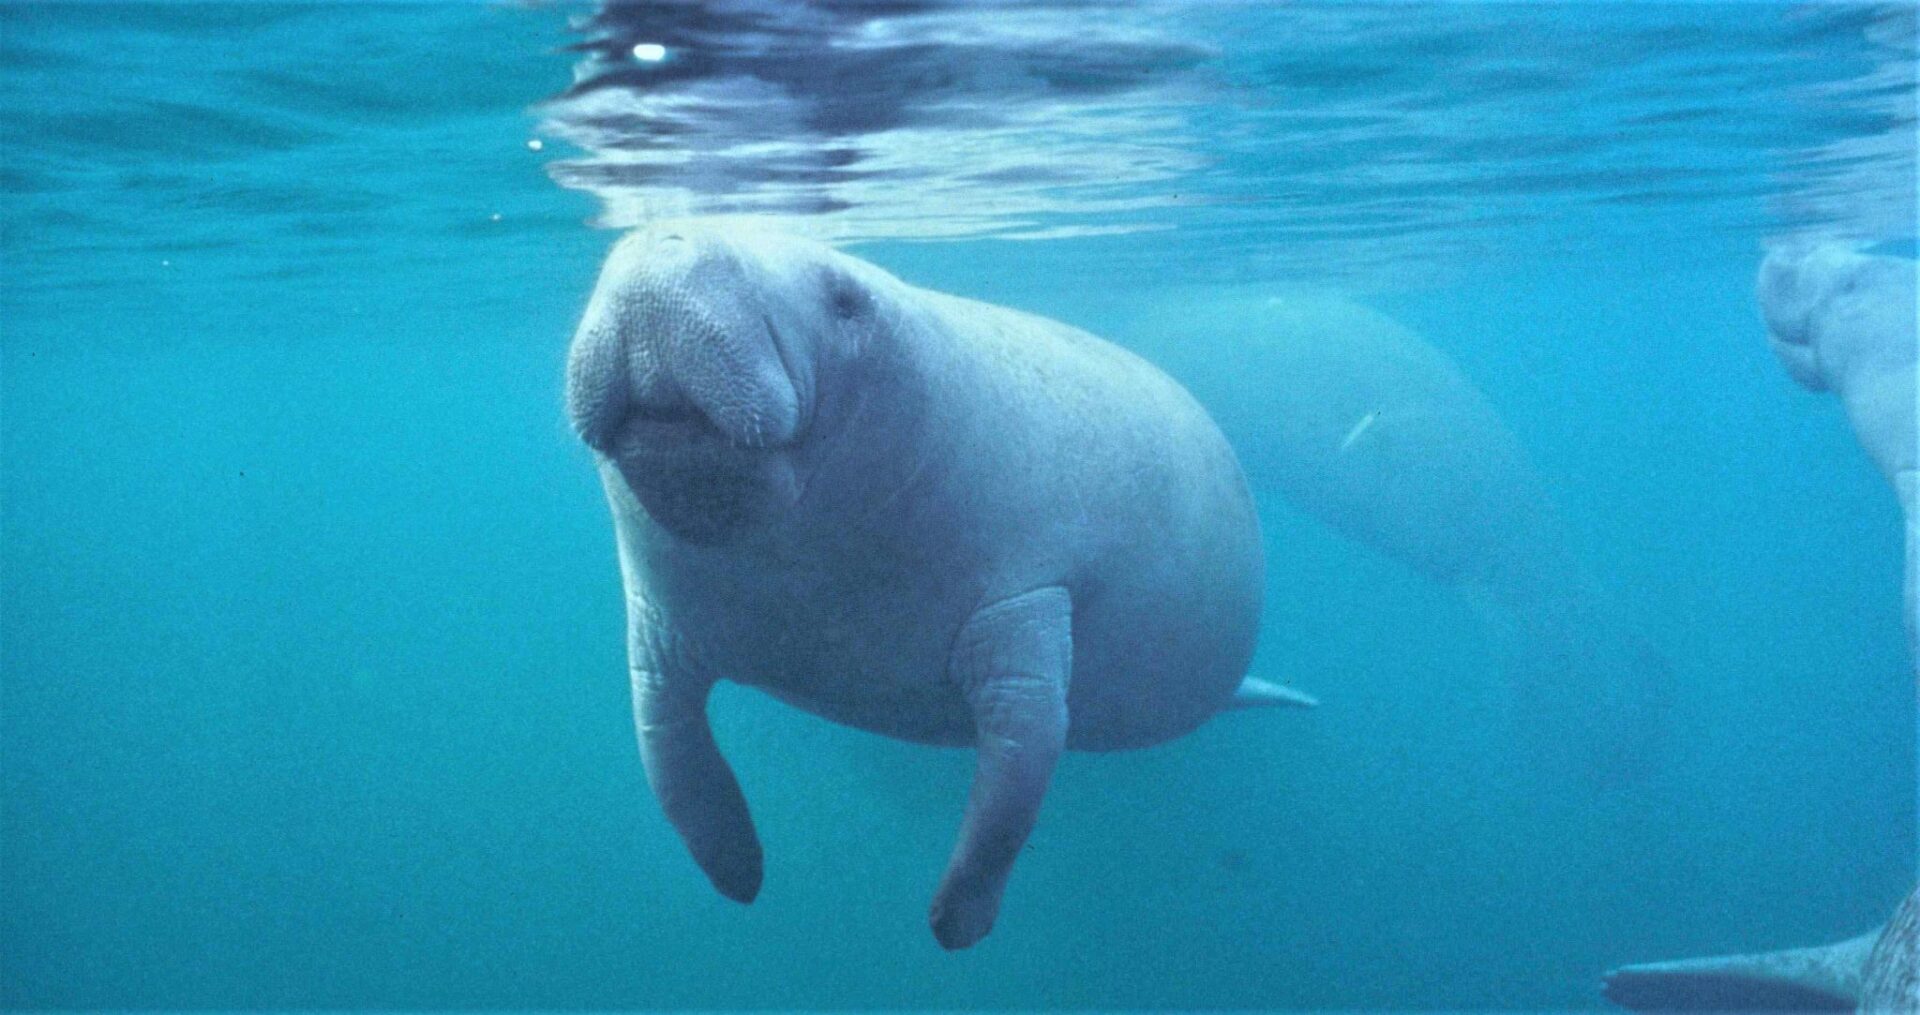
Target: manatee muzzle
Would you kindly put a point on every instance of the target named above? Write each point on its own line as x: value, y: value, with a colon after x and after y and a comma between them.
x: 677, y: 345
x: 680, y: 378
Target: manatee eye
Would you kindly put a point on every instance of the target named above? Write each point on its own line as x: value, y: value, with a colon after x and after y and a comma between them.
x: 847, y: 299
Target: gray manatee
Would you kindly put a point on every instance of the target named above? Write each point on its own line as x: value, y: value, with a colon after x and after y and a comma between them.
x: 1356, y: 420
x: 914, y: 514
x: 1844, y: 322
x: 1876, y: 972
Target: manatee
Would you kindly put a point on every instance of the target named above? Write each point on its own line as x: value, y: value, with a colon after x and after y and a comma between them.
x: 1876, y: 972
x: 1356, y: 420
x: 1844, y: 322
x: 914, y: 514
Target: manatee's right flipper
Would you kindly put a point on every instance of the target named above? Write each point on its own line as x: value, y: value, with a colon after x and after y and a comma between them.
x: 691, y: 780
x: 1011, y: 661
x: 1823, y: 978
x: 1256, y: 693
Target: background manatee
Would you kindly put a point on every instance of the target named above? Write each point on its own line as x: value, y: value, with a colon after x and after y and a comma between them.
x: 1844, y: 322
x: 1361, y: 423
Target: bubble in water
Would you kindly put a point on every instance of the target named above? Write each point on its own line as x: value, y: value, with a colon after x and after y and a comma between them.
x: 649, y: 52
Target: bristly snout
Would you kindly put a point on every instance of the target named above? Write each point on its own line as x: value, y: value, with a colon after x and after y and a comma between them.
x: 675, y: 344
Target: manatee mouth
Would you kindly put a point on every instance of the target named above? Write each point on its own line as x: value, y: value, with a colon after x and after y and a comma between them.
x: 677, y: 428
x: 696, y: 481
x: 648, y: 428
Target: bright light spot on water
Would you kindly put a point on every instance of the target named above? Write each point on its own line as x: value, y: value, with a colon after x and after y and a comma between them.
x: 535, y: 144
x: 495, y: 217
x: 649, y: 52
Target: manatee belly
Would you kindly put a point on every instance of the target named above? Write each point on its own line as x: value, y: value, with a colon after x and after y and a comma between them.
x: 1163, y: 632
x: 1126, y: 693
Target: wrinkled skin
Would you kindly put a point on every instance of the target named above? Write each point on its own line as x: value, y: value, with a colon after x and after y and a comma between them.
x: 1844, y: 322
x: 922, y: 516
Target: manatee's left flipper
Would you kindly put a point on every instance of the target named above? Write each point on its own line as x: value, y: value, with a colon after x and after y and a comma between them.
x: 1256, y: 693
x: 1012, y: 661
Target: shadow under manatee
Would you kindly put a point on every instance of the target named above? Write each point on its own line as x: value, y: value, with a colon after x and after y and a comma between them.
x: 1362, y: 424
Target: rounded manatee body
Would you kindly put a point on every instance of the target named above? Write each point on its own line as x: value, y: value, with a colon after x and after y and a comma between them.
x: 1366, y: 426
x: 919, y: 515
x: 1844, y: 322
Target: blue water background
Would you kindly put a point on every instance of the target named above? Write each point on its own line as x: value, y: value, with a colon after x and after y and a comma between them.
x: 311, y: 670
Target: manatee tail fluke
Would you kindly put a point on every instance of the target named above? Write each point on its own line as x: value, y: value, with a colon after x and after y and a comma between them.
x: 1823, y: 978
x: 1256, y: 693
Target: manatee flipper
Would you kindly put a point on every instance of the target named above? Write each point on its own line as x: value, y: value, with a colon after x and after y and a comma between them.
x: 1822, y: 978
x: 693, y: 783
x: 1012, y: 661
x: 1256, y: 693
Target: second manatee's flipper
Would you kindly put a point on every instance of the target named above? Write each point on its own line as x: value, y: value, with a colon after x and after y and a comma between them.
x: 1891, y: 980
x: 1824, y: 978
x: 1256, y: 693
x: 691, y: 780
x: 1012, y: 661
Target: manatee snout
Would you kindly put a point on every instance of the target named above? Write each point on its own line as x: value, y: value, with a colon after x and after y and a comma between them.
x: 678, y: 346
x: 680, y: 378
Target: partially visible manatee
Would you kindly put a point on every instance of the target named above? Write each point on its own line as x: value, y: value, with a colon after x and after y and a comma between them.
x: 1844, y: 322
x: 923, y: 516
x: 1361, y: 423
x: 1876, y: 972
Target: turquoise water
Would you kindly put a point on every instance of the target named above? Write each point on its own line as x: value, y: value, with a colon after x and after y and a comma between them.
x: 311, y: 666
